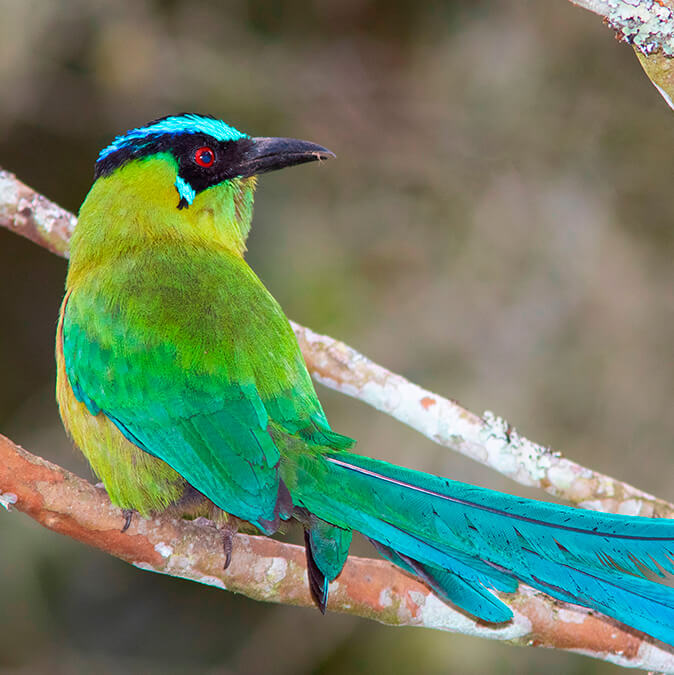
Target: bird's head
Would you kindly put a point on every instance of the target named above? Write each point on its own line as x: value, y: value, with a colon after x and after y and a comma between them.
x: 207, y: 166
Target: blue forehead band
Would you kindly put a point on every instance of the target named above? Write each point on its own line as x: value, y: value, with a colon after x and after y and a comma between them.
x: 178, y: 124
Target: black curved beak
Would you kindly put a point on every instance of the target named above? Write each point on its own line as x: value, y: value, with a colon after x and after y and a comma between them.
x: 269, y: 154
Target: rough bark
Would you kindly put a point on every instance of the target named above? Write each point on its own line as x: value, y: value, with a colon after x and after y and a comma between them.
x: 272, y: 571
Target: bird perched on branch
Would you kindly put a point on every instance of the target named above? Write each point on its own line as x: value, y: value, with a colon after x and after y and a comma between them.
x: 179, y: 375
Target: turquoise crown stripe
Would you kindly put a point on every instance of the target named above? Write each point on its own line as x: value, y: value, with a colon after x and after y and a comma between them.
x: 189, y: 123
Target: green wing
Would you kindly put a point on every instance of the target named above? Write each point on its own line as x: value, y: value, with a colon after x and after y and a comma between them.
x: 195, y: 363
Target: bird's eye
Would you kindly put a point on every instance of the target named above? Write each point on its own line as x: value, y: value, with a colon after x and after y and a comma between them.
x: 204, y: 157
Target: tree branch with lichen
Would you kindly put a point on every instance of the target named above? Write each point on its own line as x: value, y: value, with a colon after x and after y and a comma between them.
x: 269, y: 570
x: 648, y: 25
x: 488, y: 439
x: 272, y: 571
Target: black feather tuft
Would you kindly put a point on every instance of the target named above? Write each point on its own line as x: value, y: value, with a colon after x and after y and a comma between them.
x: 317, y: 585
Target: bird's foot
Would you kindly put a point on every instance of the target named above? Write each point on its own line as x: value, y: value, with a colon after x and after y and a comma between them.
x: 228, y: 526
x: 128, y: 517
x: 228, y: 546
x: 228, y: 529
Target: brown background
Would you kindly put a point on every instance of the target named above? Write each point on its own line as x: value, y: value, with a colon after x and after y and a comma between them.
x: 497, y: 227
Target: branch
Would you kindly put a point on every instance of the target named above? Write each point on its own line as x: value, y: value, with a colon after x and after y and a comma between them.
x: 272, y: 571
x: 265, y: 569
x: 488, y: 439
x: 648, y: 25
x: 33, y: 216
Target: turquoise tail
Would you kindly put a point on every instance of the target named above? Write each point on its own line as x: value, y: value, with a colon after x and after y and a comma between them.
x: 465, y: 541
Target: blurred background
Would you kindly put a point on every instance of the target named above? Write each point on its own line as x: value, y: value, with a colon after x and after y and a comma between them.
x: 497, y: 227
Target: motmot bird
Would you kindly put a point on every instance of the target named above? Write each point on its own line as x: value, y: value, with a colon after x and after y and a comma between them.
x: 179, y: 374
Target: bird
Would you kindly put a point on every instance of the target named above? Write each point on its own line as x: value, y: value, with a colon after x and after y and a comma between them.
x: 181, y: 381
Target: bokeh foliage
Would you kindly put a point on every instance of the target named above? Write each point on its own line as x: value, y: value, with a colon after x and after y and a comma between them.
x: 497, y: 227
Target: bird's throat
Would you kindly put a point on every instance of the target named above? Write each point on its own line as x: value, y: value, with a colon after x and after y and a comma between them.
x: 137, y: 207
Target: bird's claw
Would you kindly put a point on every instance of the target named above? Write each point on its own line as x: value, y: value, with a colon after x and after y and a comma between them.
x: 227, y: 545
x: 128, y: 517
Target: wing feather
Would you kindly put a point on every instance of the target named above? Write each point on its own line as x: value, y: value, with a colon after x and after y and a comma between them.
x: 194, y: 373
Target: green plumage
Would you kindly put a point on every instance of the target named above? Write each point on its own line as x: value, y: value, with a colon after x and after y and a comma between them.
x: 177, y: 370
x: 189, y: 374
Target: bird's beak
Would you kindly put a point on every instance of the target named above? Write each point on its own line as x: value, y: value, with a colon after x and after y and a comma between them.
x: 269, y: 154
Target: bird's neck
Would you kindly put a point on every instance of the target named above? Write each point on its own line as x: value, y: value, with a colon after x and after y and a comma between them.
x: 136, y: 207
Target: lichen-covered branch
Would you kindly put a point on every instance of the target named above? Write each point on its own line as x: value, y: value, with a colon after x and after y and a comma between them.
x: 272, y: 571
x: 31, y: 215
x: 488, y: 439
x: 648, y: 25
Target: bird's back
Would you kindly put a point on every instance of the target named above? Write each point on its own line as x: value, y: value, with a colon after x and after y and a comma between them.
x: 171, y: 334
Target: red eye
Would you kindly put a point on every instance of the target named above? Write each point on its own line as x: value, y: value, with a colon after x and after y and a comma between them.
x: 204, y: 157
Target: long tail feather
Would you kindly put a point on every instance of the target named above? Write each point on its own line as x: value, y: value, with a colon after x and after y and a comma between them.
x: 464, y: 540
x: 471, y: 597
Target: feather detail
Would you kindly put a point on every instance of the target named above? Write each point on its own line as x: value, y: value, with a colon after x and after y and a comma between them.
x: 464, y: 540
x: 178, y: 371
x: 132, y: 478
